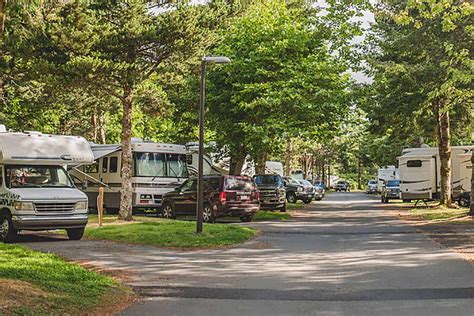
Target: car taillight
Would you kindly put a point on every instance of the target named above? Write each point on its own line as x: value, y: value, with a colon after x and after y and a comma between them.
x: 223, y: 197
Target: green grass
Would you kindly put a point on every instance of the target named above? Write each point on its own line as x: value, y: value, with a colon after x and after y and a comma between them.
x: 172, y: 233
x: 64, y: 287
x: 269, y: 215
x: 295, y: 206
x: 438, y: 213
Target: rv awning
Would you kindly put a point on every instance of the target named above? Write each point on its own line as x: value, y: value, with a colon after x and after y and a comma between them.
x: 100, y: 151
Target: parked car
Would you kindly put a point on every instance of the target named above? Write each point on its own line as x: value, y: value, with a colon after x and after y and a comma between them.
x: 320, y: 184
x: 235, y: 196
x: 371, y: 187
x: 272, y: 191
x: 298, y: 191
x: 342, y: 185
x: 391, y: 190
x: 319, y: 191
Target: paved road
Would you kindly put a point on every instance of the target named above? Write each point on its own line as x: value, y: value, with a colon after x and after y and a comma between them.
x: 344, y: 256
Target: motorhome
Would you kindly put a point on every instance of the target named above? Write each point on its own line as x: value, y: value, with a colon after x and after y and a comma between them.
x: 420, y: 172
x: 157, y: 168
x: 385, y: 174
x: 36, y: 192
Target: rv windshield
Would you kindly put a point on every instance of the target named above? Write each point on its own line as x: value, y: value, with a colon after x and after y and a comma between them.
x: 37, y: 177
x: 160, y: 165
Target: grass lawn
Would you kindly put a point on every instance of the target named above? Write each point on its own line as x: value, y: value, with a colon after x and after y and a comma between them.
x: 271, y: 215
x: 438, y: 213
x: 35, y: 283
x: 173, y: 233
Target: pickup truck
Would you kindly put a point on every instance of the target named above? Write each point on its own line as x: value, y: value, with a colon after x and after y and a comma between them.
x: 272, y: 191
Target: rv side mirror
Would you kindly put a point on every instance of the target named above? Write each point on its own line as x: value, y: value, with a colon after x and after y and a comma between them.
x: 84, y: 185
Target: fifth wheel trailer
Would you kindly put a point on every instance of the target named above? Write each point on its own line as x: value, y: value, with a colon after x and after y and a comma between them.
x: 420, y: 173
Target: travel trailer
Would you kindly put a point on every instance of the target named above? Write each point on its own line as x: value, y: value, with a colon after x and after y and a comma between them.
x: 157, y: 168
x: 36, y: 192
x: 274, y: 167
x: 420, y: 173
x: 385, y: 174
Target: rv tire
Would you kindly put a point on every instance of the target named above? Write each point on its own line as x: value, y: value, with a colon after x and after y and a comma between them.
x: 8, y: 233
x: 75, y: 233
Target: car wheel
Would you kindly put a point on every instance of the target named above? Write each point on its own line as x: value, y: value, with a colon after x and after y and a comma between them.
x: 307, y: 201
x: 75, y: 233
x: 246, y: 219
x: 7, y: 232
x: 464, y: 202
x: 291, y: 197
x: 208, y: 214
x: 318, y: 199
x: 168, y: 211
x: 283, y: 208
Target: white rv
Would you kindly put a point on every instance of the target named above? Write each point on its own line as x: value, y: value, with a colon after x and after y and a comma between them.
x: 36, y: 192
x: 385, y: 174
x: 420, y: 172
x: 157, y: 168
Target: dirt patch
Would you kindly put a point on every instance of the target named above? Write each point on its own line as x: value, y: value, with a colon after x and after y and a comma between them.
x: 121, y: 275
x: 16, y: 294
x: 455, y: 233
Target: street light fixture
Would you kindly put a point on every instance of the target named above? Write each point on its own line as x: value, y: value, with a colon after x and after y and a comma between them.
x: 200, y: 189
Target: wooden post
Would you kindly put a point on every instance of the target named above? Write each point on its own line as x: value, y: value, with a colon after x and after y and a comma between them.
x: 100, y: 204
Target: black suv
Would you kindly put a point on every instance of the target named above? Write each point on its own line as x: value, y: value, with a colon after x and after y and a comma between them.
x: 272, y: 191
x: 223, y: 196
x: 296, y: 190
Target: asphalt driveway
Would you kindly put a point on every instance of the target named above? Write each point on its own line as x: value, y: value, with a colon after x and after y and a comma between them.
x: 344, y: 255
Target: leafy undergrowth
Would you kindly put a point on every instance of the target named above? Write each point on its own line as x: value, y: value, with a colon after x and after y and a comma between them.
x: 33, y: 283
x: 271, y: 215
x: 173, y: 233
x: 438, y: 213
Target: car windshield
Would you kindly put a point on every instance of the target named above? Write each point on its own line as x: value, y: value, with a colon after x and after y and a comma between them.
x: 393, y: 183
x: 37, y: 177
x: 268, y: 180
x: 305, y: 182
x: 239, y: 184
x: 372, y: 182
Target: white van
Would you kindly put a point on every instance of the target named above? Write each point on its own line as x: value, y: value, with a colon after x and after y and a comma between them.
x: 36, y: 192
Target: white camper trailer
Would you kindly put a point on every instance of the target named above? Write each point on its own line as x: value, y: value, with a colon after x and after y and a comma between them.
x: 36, y: 192
x: 157, y: 168
x: 385, y: 174
x: 420, y: 172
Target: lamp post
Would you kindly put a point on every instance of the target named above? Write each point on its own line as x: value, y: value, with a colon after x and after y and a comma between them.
x: 200, y: 189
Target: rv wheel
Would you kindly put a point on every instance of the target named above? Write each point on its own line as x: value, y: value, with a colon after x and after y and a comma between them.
x: 7, y: 232
x: 464, y: 202
x: 75, y: 233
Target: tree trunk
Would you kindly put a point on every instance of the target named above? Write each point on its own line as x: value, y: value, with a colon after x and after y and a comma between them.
x: 261, y: 163
x: 236, y: 165
x: 94, y: 125
x: 125, y: 212
x: 3, y: 14
x: 329, y: 175
x: 444, y: 145
x: 101, y: 127
x: 471, y: 211
x: 289, y: 153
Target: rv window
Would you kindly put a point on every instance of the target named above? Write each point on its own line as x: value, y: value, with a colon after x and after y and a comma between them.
x: 105, y: 162
x: 149, y: 165
x: 414, y: 163
x: 113, y: 166
x: 93, y: 168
